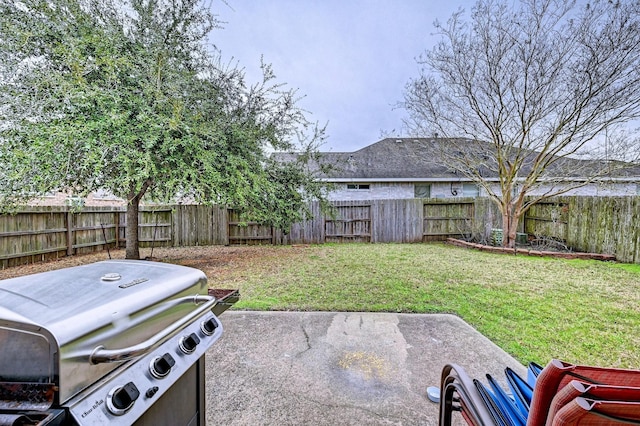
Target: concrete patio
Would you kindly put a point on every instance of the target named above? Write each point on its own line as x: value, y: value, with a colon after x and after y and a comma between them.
x: 328, y: 368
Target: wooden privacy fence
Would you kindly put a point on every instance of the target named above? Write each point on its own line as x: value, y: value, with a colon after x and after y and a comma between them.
x: 386, y: 221
x: 596, y: 224
x: 43, y: 233
x: 609, y: 225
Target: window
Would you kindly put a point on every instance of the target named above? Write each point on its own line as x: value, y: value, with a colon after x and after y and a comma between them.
x: 357, y: 186
x: 421, y: 190
x: 470, y: 190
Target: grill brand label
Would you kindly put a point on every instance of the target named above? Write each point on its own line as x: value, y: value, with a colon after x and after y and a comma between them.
x: 97, y: 404
x: 134, y: 282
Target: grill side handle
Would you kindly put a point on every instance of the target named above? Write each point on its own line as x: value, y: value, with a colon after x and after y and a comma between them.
x: 101, y: 355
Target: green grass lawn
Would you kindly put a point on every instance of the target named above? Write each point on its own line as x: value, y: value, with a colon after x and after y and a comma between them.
x: 534, y: 308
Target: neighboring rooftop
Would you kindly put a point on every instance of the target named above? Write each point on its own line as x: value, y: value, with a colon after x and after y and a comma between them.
x: 390, y: 158
x: 415, y: 158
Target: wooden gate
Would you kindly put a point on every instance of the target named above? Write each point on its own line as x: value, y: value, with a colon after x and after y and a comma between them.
x: 447, y: 218
x: 247, y: 232
x: 352, y: 223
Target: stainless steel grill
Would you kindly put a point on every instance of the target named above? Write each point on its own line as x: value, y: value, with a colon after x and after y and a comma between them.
x: 104, y: 343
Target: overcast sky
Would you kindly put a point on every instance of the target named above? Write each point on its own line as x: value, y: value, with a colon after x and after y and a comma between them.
x: 350, y: 58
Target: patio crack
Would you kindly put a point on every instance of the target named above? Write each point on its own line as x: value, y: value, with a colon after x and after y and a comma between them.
x: 307, y: 340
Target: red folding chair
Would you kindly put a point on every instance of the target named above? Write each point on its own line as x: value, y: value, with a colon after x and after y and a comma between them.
x: 577, y: 389
x: 586, y: 412
x: 557, y: 374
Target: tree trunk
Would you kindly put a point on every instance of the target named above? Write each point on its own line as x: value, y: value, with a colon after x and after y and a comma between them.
x: 133, y: 246
x: 133, y: 207
x: 509, y: 226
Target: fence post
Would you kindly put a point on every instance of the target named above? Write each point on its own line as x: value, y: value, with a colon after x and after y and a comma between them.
x: 69, y: 220
x: 116, y: 222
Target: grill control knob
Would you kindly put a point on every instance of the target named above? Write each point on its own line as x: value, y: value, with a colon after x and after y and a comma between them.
x: 188, y: 343
x: 161, y: 366
x: 209, y: 326
x: 121, y: 399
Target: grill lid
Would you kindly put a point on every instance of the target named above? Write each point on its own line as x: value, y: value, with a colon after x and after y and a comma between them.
x: 76, y: 300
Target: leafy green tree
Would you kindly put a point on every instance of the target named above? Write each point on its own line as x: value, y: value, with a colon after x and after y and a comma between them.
x: 125, y: 96
x: 526, y: 89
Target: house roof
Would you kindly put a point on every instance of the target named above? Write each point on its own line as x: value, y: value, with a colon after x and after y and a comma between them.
x: 394, y: 159
x: 420, y: 159
x: 397, y: 158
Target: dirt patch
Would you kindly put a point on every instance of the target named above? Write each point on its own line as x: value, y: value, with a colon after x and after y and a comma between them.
x: 220, y: 263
